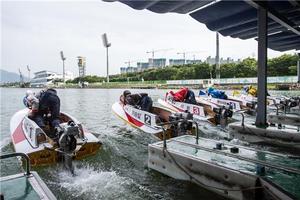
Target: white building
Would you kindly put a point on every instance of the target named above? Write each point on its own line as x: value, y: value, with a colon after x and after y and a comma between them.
x: 46, y: 78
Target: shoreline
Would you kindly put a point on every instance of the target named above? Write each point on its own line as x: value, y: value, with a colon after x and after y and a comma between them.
x: 115, y: 85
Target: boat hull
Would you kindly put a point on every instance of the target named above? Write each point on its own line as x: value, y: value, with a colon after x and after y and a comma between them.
x: 139, y: 119
x: 42, y: 151
x: 197, y: 111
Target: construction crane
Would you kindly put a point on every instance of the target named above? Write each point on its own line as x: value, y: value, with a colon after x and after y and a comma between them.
x: 28, y: 69
x: 188, y: 52
x: 21, y: 78
x: 131, y: 61
x: 157, y: 50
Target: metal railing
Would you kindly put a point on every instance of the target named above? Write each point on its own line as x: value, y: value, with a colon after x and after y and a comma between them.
x: 23, y: 155
x: 175, y: 122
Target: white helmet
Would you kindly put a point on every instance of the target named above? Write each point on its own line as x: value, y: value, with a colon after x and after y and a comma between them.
x: 29, y: 92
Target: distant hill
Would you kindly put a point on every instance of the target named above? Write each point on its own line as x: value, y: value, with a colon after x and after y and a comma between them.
x: 6, y: 77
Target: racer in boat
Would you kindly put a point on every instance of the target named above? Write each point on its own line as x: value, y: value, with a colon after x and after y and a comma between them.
x: 250, y: 90
x: 184, y: 95
x: 219, y: 94
x: 141, y: 100
x: 44, y: 106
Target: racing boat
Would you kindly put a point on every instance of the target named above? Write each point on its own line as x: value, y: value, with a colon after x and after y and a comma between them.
x: 74, y: 142
x: 150, y: 122
x: 196, y: 110
x: 234, y: 105
x: 202, y: 112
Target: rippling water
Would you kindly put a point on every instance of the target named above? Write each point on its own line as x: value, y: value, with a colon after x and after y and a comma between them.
x: 119, y: 170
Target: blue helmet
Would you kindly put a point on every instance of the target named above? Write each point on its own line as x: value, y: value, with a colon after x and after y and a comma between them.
x: 210, y: 89
x: 246, y: 88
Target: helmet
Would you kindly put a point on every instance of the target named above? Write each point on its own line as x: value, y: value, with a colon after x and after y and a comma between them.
x: 29, y: 92
x: 210, y: 89
x: 246, y: 88
x: 126, y: 92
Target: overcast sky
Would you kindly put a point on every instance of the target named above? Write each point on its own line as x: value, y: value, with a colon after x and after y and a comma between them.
x: 34, y: 32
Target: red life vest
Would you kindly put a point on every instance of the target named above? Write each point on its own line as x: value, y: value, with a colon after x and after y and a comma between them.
x: 180, y: 95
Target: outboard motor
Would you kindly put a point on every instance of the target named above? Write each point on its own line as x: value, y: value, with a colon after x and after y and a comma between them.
x: 289, y: 103
x: 67, y: 142
x: 182, y: 123
x: 251, y: 105
x: 222, y: 115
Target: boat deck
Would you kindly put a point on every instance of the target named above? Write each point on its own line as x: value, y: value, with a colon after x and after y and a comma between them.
x: 183, y: 152
x: 287, y: 136
x: 20, y: 186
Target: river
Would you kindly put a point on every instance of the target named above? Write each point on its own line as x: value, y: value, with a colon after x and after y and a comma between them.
x: 119, y: 170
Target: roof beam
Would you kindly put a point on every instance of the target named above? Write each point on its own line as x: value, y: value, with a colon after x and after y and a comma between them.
x: 276, y: 16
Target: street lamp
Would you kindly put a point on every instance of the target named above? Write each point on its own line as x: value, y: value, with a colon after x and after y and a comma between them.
x: 63, y: 59
x: 106, y: 45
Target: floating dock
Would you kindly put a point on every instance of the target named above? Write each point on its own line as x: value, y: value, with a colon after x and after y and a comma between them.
x: 232, y: 171
x: 27, y: 185
x: 284, y: 131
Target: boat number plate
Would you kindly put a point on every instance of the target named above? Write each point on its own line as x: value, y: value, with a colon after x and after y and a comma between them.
x: 147, y: 119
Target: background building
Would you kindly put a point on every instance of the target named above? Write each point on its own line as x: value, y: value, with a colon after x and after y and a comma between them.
x: 125, y: 70
x: 193, y: 61
x: 210, y: 60
x: 47, y: 78
x: 141, y: 66
x: 157, y: 62
x: 173, y: 62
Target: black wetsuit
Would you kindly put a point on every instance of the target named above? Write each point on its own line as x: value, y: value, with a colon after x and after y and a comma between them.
x: 141, y: 101
x: 49, y: 102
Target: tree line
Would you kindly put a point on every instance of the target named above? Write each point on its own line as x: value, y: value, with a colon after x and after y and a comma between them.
x: 284, y: 65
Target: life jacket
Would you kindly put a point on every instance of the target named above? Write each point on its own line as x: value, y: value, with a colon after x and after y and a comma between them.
x: 180, y: 95
x: 252, y: 91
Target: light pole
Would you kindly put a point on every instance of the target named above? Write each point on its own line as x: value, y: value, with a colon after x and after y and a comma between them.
x: 63, y: 59
x: 28, y: 69
x: 106, y: 45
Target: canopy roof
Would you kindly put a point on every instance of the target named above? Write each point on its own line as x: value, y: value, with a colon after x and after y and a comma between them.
x: 237, y: 19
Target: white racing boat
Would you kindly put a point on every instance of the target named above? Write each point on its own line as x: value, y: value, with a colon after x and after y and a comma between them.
x: 204, y: 111
x: 75, y: 141
x: 150, y: 122
x: 196, y: 110
x: 234, y: 105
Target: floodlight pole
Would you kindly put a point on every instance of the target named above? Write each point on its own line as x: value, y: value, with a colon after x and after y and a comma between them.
x: 107, y: 68
x: 64, y: 70
x: 63, y: 59
x: 106, y: 45
x: 28, y: 69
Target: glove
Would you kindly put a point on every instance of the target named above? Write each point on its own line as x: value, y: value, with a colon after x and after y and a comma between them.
x: 58, y: 130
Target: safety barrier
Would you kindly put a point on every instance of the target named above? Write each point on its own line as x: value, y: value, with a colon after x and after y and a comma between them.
x: 224, y: 81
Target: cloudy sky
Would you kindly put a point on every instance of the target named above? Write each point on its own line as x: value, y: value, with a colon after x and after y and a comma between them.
x: 34, y: 32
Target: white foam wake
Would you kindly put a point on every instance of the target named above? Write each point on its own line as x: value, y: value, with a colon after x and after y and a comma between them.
x: 95, y: 184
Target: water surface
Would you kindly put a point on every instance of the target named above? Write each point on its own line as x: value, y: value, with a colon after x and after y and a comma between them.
x: 119, y: 170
